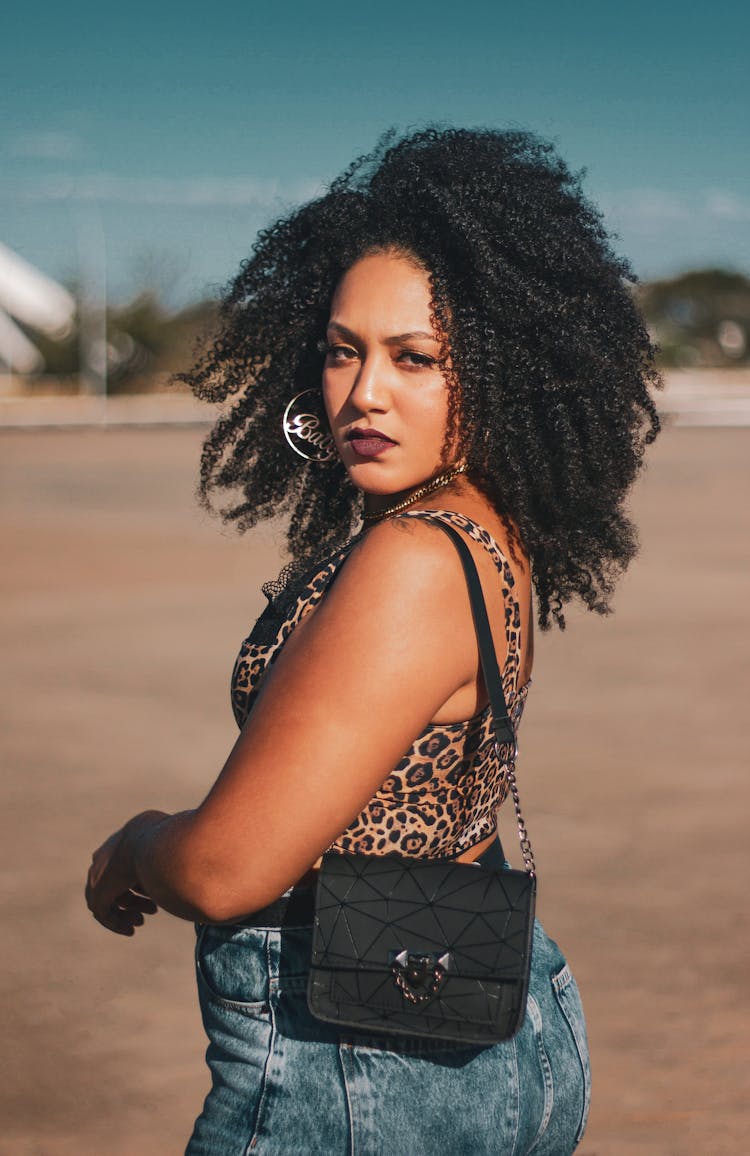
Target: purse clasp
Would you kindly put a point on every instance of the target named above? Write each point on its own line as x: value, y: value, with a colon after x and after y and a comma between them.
x: 419, y: 975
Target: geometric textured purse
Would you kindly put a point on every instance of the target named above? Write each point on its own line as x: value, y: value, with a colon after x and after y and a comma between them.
x: 428, y: 947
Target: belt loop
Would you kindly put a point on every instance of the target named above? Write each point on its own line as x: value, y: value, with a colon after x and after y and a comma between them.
x: 295, y: 908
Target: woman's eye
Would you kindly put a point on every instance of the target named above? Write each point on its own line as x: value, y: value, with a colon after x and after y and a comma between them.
x: 411, y: 357
x: 337, y: 353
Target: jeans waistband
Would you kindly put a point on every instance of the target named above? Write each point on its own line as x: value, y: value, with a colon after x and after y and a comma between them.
x: 296, y: 907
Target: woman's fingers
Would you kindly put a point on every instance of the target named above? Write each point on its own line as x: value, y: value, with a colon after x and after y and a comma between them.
x: 134, y: 901
x: 114, y: 894
x: 131, y: 918
x: 127, y: 912
x: 118, y: 922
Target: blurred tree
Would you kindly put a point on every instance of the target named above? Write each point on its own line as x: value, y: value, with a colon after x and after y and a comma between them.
x: 145, y: 344
x: 701, y: 318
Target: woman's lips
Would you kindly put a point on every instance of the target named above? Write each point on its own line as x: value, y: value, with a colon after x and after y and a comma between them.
x: 369, y: 443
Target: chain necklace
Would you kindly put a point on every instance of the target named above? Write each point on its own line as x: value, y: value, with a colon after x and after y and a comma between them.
x: 430, y: 487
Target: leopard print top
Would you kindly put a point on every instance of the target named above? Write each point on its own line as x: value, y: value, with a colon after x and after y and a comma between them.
x: 442, y: 797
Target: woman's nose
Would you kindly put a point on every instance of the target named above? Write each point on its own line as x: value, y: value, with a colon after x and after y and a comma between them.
x: 370, y: 390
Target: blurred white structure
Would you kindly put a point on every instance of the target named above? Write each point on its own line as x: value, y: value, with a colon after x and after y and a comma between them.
x: 34, y: 299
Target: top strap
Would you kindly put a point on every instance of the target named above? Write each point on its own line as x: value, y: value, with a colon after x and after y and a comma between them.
x: 503, y: 727
x: 476, y: 532
x: 504, y: 732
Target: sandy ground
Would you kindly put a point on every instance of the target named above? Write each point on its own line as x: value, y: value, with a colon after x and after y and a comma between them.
x: 122, y: 608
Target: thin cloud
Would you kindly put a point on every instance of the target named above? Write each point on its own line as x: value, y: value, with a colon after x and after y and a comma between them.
x: 46, y: 146
x: 191, y: 192
x: 646, y: 206
x: 727, y: 206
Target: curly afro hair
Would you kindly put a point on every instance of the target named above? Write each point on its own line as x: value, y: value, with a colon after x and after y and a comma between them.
x: 550, y: 360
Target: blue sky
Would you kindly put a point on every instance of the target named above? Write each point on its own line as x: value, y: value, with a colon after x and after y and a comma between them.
x: 159, y: 137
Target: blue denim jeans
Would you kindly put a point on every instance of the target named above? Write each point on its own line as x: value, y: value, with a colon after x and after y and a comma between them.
x: 285, y: 1084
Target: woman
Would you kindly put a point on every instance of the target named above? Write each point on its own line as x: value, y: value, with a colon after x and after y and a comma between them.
x: 482, y: 364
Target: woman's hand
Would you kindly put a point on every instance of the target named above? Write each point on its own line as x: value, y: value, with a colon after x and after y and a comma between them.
x: 113, y: 892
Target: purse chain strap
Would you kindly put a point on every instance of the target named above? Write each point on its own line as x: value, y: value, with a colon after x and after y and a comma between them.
x: 504, y: 732
x: 523, y: 835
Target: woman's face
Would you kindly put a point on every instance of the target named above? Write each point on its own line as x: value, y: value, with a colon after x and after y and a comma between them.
x: 385, y: 393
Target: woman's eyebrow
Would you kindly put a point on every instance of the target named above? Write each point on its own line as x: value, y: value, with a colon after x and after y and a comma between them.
x: 397, y: 339
x: 415, y: 335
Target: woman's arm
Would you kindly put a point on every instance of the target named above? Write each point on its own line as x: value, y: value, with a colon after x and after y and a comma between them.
x: 357, y: 681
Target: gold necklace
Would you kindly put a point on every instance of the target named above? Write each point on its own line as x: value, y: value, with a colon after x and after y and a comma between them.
x: 430, y: 487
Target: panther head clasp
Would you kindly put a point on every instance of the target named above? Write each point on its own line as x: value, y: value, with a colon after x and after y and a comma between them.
x: 419, y: 976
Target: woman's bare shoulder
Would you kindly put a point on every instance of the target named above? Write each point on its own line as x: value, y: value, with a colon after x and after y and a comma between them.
x: 402, y: 558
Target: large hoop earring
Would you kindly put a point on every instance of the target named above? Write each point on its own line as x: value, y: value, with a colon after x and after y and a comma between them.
x: 306, y: 434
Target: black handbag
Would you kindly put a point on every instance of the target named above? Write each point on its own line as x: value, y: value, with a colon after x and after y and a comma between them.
x: 428, y: 947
